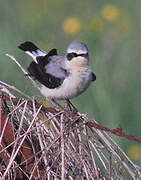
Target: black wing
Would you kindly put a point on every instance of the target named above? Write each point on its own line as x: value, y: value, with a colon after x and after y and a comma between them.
x: 46, y: 79
x: 38, y: 72
x: 45, y: 59
x: 93, y: 77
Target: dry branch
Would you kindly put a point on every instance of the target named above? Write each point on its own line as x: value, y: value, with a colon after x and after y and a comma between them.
x: 42, y: 142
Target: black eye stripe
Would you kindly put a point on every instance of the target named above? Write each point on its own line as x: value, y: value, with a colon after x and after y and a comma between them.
x: 72, y: 55
x: 83, y: 55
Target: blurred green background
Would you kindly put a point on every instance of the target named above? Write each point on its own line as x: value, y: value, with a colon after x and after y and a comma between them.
x: 111, y: 29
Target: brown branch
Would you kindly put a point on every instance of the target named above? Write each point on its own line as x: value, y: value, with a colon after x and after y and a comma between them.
x: 75, y: 118
x: 117, y: 131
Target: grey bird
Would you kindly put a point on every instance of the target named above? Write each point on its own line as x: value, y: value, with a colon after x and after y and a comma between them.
x: 61, y: 77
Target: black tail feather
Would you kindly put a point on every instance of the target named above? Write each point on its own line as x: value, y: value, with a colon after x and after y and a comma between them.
x: 28, y: 46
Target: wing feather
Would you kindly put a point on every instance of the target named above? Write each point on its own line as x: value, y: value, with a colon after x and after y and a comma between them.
x: 49, y: 71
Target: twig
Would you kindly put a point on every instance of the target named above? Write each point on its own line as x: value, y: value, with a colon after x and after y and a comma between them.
x: 6, y: 121
x: 15, y: 89
x: 12, y: 158
x: 4, y: 89
x: 62, y: 149
x: 110, y: 166
x: 19, y: 130
x: 24, y: 71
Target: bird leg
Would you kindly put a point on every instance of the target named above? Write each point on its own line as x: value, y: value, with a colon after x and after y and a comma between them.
x: 70, y: 106
x: 56, y: 104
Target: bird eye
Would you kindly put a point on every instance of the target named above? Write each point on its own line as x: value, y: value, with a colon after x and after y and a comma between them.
x: 71, y: 55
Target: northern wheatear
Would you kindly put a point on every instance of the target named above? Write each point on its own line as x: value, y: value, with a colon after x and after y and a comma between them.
x: 62, y: 77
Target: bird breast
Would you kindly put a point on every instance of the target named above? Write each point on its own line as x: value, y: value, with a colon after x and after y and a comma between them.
x: 73, y: 85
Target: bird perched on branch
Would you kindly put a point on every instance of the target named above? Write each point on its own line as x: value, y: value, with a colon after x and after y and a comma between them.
x: 62, y: 77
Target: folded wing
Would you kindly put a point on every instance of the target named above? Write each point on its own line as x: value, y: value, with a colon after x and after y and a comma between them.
x: 45, y: 67
x: 49, y: 71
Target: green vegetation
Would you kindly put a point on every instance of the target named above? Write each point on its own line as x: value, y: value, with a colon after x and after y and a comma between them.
x: 111, y: 29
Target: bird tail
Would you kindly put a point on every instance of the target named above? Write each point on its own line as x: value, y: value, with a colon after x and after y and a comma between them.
x: 32, y: 50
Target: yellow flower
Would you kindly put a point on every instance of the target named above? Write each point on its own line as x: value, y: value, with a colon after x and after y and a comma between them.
x: 97, y: 24
x: 110, y: 12
x: 71, y: 26
x: 134, y: 152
